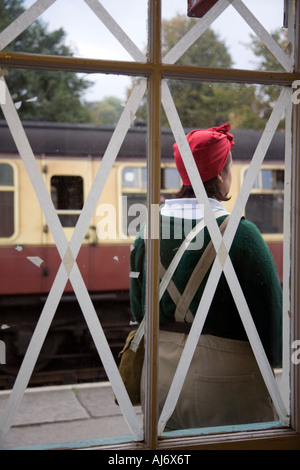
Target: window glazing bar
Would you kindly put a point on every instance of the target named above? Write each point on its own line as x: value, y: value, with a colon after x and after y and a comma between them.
x: 295, y: 240
x: 80, y: 65
x: 153, y: 243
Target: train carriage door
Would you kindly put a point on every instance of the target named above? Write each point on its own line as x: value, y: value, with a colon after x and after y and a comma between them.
x: 66, y: 184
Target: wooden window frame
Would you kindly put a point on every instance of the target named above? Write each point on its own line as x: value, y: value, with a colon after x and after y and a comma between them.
x: 155, y: 71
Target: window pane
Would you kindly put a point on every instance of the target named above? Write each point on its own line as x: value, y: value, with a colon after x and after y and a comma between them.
x: 227, y: 29
x: 144, y: 178
x: 266, y: 211
x: 6, y: 175
x: 211, y: 105
x: 130, y: 177
x: 171, y: 179
x: 267, y: 179
x: 67, y: 192
x: 6, y: 213
x: 279, y: 179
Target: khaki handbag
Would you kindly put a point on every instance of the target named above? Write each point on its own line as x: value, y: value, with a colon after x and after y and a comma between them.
x: 132, y: 355
x: 131, y: 364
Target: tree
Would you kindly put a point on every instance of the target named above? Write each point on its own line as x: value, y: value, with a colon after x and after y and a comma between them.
x: 202, y: 104
x: 53, y: 96
x: 268, y: 94
x: 106, y: 111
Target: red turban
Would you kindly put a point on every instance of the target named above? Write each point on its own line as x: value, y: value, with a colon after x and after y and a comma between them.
x: 210, y: 148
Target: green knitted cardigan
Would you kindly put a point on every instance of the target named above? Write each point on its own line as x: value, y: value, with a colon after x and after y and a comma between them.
x: 255, y: 269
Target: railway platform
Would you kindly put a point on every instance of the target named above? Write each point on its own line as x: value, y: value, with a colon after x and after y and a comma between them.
x: 66, y: 416
x: 69, y: 417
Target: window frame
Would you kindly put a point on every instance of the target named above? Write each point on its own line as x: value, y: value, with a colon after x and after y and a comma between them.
x: 155, y: 71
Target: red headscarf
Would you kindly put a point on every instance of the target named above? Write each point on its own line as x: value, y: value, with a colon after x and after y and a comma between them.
x: 210, y: 148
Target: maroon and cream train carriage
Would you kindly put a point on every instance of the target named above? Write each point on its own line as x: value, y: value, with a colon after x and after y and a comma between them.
x: 69, y: 156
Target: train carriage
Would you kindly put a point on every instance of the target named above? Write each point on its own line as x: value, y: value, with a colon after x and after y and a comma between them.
x: 68, y: 157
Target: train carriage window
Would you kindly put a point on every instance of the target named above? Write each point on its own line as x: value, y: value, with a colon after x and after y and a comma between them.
x: 67, y: 197
x: 130, y: 177
x: 170, y: 178
x: 134, y: 195
x: 265, y: 204
x: 7, y: 200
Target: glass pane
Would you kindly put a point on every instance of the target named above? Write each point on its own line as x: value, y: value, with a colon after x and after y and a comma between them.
x: 210, y: 396
x: 266, y: 211
x: 171, y: 178
x: 84, y: 34
x: 6, y: 175
x: 279, y: 179
x: 222, y: 46
x: 67, y: 192
x: 68, y: 148
x: 130, y: 178
x: 144, y: 177
x: 267, y: 179
x: 7, y: 214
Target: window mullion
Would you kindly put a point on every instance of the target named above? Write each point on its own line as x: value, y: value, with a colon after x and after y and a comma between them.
x: 295, y: 231
x: 153, y: 243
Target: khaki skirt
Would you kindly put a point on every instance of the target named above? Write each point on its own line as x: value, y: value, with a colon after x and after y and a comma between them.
x: 223, y: 385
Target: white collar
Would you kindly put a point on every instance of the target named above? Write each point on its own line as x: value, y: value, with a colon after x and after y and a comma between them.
x: 188, y: 208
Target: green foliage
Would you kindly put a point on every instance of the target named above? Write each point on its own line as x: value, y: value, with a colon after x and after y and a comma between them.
x: 52, y: 96
x: 268, y: 94
x: 57, y: 95
x: 201, y: 104
x: 106, y: 111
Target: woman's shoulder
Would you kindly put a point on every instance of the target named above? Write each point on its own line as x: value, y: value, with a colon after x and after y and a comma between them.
x: 249, y: 238
x: 248, y: 228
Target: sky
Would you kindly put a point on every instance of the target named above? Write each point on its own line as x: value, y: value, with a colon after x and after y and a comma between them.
x: 88, y: 37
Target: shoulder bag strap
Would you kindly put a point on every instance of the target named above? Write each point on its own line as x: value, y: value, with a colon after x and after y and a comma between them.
x: 196, y: 278
x: 175, y: 261
x: 170, y: 271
